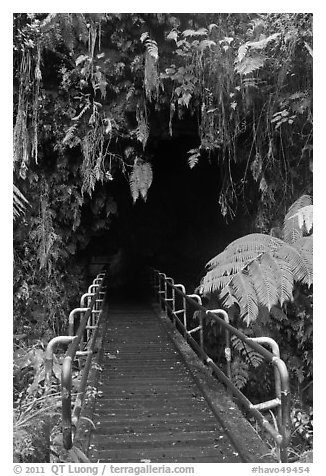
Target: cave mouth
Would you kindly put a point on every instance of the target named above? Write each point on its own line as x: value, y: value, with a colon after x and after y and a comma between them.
x: 177, y: 230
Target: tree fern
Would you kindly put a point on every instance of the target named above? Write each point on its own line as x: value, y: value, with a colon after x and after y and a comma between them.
x: 260, y: 270
x: 247, y: 64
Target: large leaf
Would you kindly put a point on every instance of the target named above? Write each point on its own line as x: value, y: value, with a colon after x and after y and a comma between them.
x: 264, y: 282
x: 261, y: 44
x: 305, y: 217
x: 299, y: 259
x: 245, y: 249
x: 283, y: 277
x: 291, y: 228
x: 249, y: 64
x: 258, y: 271
x: 243, y: 290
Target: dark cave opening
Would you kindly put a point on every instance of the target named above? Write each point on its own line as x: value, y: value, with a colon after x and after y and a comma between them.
x: 177, y: 230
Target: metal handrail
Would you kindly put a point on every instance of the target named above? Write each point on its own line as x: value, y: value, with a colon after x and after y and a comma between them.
x: 85, y: 338
x: 69, y: 417
x: 282, y: 388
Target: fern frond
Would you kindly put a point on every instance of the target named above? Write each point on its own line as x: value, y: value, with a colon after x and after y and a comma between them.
x: 19, y: 202
x: 246, y: 248
x: 193, y: 158
x: 261, y: 44
x: 142, y: 131
x: 283, y: 277
x: 213, y: 281
x: 240, y: 372
x: 82, y: 112
x: 152, y: 49
x: 305, y: 218
x: 258, y: 270
x: 249, y: 64
x: 244, y: 292
x: 227, y: 298
x: 250, y: 356
x: 299, y: 260
x: 46, y: 239
x: 264, y: 282
x: 147, y: 175
x: 199, y: 32
x: 278, y: 314
x: 233, y: 263
x: 305, y: 243
x: 305, y: 248
x: 70, y: 138
x: 151, y: 79
x: 242, y: 51
x: 140, y: 179
x: 291, y: 227
x: 130, y: 93
x: 67, y: 31
x: 144, y: 36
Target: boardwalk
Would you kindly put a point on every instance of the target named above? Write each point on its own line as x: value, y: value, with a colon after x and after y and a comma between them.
x: 150, y: 408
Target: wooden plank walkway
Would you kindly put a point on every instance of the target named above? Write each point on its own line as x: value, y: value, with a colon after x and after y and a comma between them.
x: 151, y: 409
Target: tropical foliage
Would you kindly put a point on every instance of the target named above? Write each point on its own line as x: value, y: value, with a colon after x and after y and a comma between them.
x: 93, y: 96
x: 245, y: 78
x: 260, y: 270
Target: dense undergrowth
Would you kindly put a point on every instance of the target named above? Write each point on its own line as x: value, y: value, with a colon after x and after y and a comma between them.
x: 92, y: 93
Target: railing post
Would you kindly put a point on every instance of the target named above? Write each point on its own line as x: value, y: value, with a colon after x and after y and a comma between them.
x: 184, y: 308
x: 66, y: 376
x: 163, y: 290
x: 201, y: 329
x: 71, y: 319
x: 153, y: 283
x: 285, y: 406
x: 276, y: 352
x: 48, y: 363
x: 85, y: 296
x: 227, y: 350
x: 170, y: 282
x: 156, y: 281
x: 92, y: 287
x: 159, y: 289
